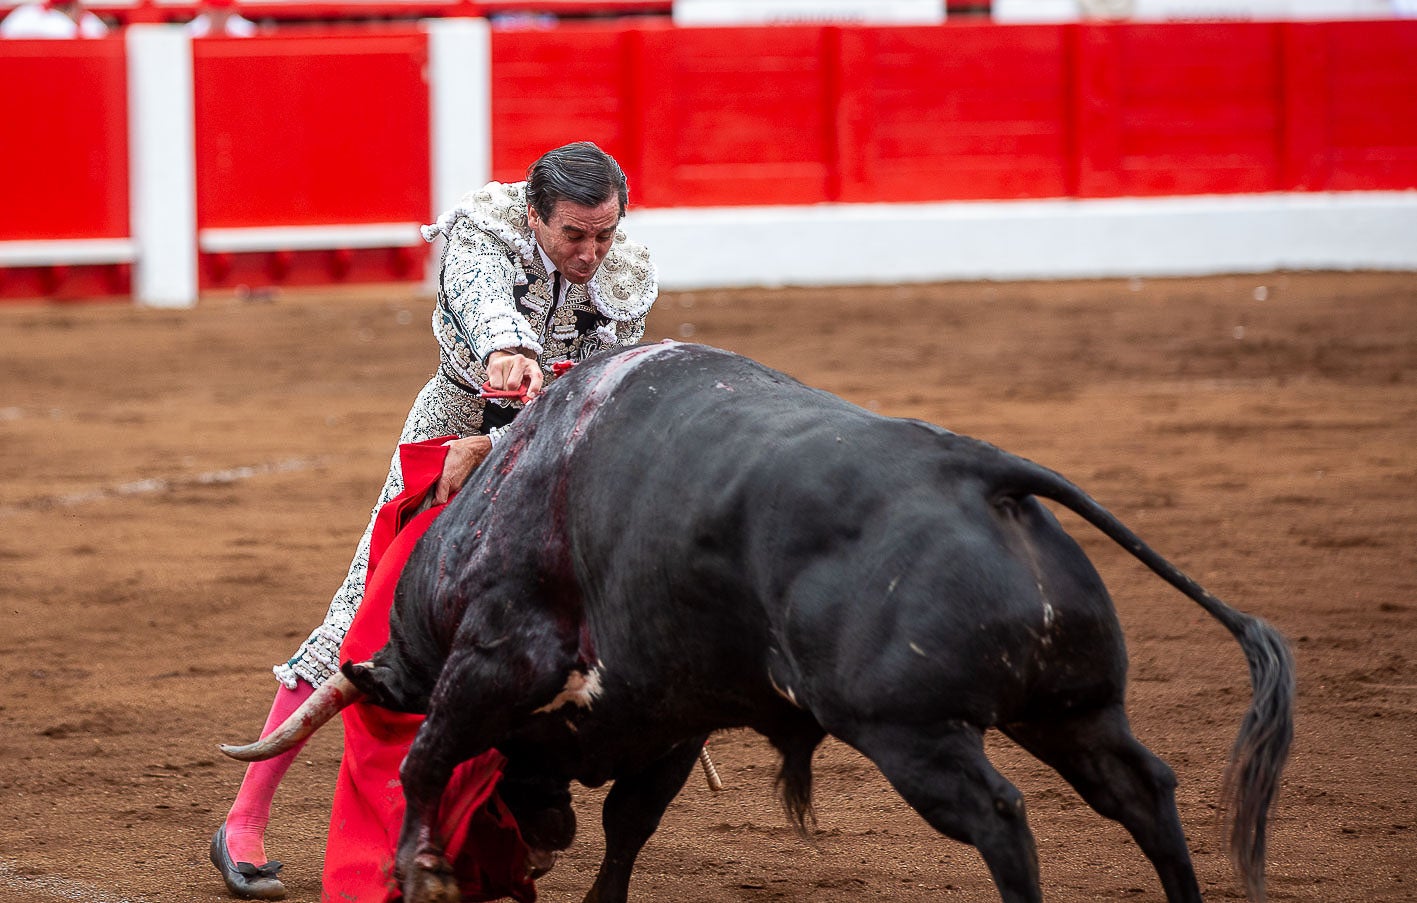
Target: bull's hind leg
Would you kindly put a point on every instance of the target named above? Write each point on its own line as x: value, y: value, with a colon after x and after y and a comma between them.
x: 942, y: 772
x: 1122, y: 780
x: 631, y: 815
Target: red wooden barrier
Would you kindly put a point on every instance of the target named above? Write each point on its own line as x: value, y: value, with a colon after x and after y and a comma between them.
x: 1188, y: 111
x: 561, y: 85
x: 311, y: 130
x: 332, y: 128
x: 792, y: 115
x: 1371, y: 103
x: 64, y: 109
x: 129, y: 12
x: 962, y: 112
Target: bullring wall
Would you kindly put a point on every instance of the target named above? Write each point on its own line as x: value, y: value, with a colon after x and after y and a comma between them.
x: 158, y: 166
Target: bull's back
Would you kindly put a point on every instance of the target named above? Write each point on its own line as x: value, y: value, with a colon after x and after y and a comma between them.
x: 778, y: 542
x: 722, y: 528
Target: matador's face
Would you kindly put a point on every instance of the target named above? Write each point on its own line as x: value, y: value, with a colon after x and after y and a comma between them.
x: 576, y: 237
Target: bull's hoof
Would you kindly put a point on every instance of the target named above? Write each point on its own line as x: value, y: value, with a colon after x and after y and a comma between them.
x: 430, y: 880
x: 539, y: 862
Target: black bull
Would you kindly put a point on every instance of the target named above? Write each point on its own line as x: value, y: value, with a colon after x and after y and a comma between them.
x: 675, y: 540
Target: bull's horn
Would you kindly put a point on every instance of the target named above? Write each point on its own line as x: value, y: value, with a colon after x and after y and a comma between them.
x: 326, y: 702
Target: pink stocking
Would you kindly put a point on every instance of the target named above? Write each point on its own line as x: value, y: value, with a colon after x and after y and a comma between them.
x: 246, y: 823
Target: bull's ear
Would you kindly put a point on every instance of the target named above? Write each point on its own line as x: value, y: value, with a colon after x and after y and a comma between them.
x: 384, y: 686
x: 374, y: 680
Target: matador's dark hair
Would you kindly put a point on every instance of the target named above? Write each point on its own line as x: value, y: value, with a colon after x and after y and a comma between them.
x: 580, y: 173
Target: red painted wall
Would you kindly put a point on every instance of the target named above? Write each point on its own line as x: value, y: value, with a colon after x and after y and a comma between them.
x: 553, y: 87
x: 1357, y: 128
x: 311, y: 129
x: 962, y: 112
x: 332, y: 127
x: 128, y: 12
x: 64, y: 145
x: 793, y: 115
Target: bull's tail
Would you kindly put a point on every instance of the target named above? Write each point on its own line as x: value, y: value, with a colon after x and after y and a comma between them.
x: 1262, y: 745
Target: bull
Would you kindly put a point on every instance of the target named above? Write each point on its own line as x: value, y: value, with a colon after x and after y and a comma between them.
x: 675, y: 540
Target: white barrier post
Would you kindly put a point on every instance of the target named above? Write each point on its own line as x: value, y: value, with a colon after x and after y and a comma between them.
x: 460, y: 101
x: 162, y: 165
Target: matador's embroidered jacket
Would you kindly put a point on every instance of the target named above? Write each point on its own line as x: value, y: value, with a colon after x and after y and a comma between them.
x: 495, y: 292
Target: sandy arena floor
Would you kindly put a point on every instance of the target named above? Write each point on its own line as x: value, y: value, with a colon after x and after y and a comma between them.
x: 180, y: 492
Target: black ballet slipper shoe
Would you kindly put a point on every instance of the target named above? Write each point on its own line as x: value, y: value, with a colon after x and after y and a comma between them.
x: 244, y: 880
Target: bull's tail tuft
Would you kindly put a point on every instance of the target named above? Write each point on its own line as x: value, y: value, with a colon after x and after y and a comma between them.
x: 1260, y: 751
x: 794, y: 783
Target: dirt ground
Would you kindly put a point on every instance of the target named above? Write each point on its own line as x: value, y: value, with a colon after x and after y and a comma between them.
x: 180, y: 492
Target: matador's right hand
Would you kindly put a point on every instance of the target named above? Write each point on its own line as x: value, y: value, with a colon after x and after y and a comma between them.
x: 514, y: 368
